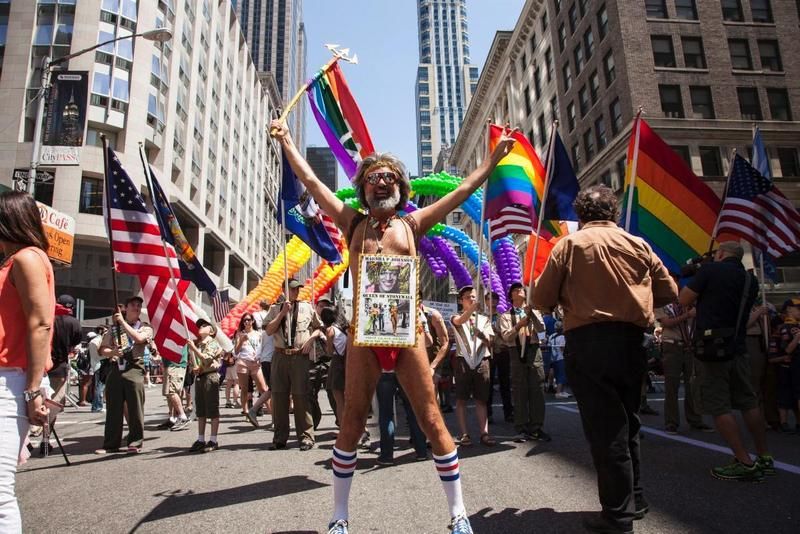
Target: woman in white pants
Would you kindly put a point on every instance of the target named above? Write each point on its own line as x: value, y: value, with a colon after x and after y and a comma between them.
x: 27, y: 308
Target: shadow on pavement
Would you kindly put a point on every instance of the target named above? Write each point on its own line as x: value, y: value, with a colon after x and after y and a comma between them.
x: 488, y: 520
x: 183, y: 502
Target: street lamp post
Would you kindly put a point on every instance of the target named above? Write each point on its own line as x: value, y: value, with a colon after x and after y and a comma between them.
x: 158, y: 35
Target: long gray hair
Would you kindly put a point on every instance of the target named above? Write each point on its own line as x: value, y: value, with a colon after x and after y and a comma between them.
x: 375, y: 161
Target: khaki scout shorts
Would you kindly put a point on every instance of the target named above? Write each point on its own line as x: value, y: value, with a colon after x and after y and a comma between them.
x: 473, y: 383
x: 173, y: 381
x: 721, y: 387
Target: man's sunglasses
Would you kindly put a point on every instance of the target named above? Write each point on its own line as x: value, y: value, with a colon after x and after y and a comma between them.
x: 388, y: 178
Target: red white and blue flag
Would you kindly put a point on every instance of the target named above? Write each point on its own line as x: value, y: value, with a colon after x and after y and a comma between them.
x: 138, y: 250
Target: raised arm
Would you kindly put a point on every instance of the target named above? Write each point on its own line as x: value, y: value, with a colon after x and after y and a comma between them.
x: 341, y: 214
x: 428, y: 216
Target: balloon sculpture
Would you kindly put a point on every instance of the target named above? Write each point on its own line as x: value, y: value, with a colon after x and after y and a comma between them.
x: 434, y: 247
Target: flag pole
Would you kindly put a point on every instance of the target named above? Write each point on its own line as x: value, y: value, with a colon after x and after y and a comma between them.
x: 632, y: 181
x: 765, y: 317
x: 548, y: 172
x: 107, y: 195
x: 286, y: 272
x: 337, y: 55
x: 480, y: 261
x: 722, y: 201
x: 172, y: 281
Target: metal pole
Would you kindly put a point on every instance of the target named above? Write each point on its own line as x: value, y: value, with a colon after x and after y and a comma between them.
x: 37, y: 127
x: 480, y: 263
x: 765, y: 317
x: 107, y: 191
x: 722, y: 201
x: 286, y: 272
x: 632, y: 181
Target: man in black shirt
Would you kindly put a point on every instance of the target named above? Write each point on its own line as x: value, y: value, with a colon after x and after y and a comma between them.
x: 726, y: 385
x: 66, y: 336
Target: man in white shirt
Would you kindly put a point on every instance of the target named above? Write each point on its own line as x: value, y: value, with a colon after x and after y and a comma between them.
x: 473, y: 349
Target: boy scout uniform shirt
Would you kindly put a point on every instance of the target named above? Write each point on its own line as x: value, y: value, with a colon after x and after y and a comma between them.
x: 506, y: 327
x: 210, y: 355
x: 134, y: 358
x: 307, y: 322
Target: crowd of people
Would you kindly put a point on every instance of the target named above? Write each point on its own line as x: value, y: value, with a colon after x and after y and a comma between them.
x: 566, y: 338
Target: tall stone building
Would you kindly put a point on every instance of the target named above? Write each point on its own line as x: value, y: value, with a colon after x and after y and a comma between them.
x: 275, y: 32
x: 704, y: 73
x: 445, y: 77
x: 324, y: 165
x: 195, y: 103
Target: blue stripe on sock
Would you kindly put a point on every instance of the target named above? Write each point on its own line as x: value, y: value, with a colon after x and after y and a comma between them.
x: 344, y: 457
x: 454, y: 456
x: 348, y: 475
x: 450, y: 478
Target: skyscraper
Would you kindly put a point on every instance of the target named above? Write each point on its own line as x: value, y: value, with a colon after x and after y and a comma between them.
x: 445, y: 77
x: 276, y: 36
x: 324, y: 165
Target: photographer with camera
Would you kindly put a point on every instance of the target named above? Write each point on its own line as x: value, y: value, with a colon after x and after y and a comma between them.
x: 124, y: 345
x: 724, y: 292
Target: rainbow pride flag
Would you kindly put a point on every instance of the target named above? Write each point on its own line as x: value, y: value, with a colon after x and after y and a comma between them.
x: 339, y: 118
x: 672, y: 209
x: 515, y: 189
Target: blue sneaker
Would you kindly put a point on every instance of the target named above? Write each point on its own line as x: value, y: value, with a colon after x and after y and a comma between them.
x: 460, y: 525
x: 339, y: 527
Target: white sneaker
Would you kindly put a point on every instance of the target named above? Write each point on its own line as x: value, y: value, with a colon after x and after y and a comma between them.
x: 563, y: 395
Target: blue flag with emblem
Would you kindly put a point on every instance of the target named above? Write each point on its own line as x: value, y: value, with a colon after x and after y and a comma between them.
x: 304, y: 218
x: 191, y: 268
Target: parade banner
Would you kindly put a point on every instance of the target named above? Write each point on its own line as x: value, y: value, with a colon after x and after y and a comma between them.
x: 65, y: 126
x: 386, y: 301
x: 60, y: 231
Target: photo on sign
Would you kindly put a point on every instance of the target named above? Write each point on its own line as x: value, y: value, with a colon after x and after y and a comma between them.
x: 386, y: 301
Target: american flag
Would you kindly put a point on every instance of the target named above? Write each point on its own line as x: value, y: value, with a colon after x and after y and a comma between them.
x: 512, y: 219
x: 221, y: 304
x: 756, y: 211
x: 138, y: 250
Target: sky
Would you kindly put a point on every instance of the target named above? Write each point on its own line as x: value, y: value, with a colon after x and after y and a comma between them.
x: 383, y: 33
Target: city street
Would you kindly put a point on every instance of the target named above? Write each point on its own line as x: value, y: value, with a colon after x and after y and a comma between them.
x: 529, y: 487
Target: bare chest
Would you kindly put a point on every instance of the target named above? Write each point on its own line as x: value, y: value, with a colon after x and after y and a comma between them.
x: 398, y: 239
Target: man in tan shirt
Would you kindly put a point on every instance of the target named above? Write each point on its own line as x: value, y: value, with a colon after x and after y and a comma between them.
x: 607, y: 281
x: 292, y: 326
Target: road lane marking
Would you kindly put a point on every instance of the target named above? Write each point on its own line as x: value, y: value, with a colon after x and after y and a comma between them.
x: 695, y: 442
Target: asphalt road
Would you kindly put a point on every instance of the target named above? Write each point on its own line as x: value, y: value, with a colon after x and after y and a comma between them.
x: 511, y: 488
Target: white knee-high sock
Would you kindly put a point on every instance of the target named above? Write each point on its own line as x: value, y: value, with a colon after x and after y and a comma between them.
x: 344, y: 464
x: 447, y: 468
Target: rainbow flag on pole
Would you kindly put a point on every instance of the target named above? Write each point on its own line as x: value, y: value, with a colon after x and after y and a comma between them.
x: 671, y: 208
x: 339, y: 118
x: 515, y: 189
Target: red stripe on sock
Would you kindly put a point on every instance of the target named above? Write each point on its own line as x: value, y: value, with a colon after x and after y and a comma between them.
x: 343, y: 466
x: 447, y: 468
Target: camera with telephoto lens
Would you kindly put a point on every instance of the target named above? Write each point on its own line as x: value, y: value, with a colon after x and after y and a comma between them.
x: 693, y: 264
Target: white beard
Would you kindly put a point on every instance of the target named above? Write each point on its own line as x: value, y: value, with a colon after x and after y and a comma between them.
x: 385, y: 203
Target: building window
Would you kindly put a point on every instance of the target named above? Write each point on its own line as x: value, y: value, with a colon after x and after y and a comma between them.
x: 671, y: 103
x: 770, y: 56
x: 663, y: 53
x: 548, y: 63
x: 542, y: 131
x: 579, y: 62
x: 594, y: 86
x: 686, y: 9
x: 571, y: 116
x: 91, y: 200
x: 573, y: 17
x: 583, y: 98
x: 588, y: 144
x: 562, y: 37
x: 457, y: 215
x: 702, y: 103
x: 600, y: 133
x: 545, y: 22
x: 576, y: 157
x: 588, y: 43
x: 694, y: 56
x: 526, y: 95
x: 621, y: 165
x: 656, y: 9
x: 732, y: 10
x: 740, y: 54
x: 553, y: 109
x: 761, y: 10
x: 537, y: 82
x: 602, y: 22
x: 790, y: 166
x: 683, y: 152
x: 567, y: 72
x: 609, y: 67
x: 749, y: 105
x: 779, y: 108
x: 711, y: 161
x: 615, y: 111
